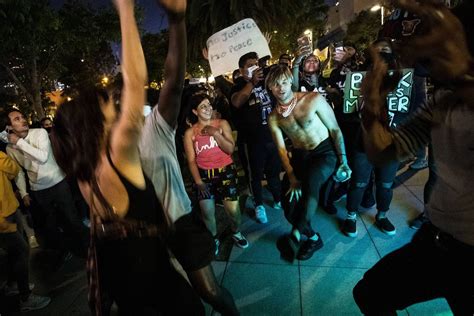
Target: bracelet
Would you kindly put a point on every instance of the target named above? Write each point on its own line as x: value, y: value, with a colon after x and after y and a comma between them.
x: 341, y: 154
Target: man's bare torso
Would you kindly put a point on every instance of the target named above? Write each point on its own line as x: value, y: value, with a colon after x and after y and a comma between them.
x: 303, y: 126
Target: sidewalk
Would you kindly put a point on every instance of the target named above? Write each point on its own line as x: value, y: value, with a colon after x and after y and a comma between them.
x: 264, y: 284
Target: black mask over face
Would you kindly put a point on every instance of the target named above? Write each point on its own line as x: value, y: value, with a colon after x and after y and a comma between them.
x: 48, y: 129
x: 389, y: 58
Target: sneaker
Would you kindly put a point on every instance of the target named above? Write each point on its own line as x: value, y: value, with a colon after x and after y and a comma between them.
x: 260, y: 214
x: 309, y: 247
x: 218, y: 243
x: 419, y: 164
x: 349, y: 227
x: 12, y: 290
x: 385, y: 226
x: 418, y: 221
x: 239, y: 240
x: 249, y: 202
x: 33, y: 242
x: 34, y: 302
x: 277, y: 206
x: 289, y: 247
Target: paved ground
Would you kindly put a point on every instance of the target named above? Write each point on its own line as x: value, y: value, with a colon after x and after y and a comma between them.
x: 261, y: 282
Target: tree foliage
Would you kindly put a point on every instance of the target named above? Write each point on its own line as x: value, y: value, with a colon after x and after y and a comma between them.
x: 285, y: 21
x: 41, y: 45
x: 363, y: 29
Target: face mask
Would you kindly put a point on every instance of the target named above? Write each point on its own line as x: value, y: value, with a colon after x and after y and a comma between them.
x: 48, y: 129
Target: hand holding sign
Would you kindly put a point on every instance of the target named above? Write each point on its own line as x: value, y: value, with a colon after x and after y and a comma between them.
x: 228, y: 45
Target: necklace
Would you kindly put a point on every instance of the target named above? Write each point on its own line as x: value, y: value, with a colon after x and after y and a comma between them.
x: 285, y: 110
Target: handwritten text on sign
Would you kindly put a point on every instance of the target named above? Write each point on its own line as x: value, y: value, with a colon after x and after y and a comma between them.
x: 226, y: 46
x: 397, y: 100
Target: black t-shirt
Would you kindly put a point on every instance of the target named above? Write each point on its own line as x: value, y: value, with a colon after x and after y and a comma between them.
x: 251, y: 119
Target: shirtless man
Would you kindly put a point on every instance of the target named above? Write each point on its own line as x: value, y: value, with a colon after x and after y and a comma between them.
x: 310, y: 124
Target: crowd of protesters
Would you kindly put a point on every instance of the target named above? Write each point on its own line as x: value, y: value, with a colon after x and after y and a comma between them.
x: 103, y: 183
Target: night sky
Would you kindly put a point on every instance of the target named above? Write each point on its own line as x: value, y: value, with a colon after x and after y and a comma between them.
x: 154, y: 17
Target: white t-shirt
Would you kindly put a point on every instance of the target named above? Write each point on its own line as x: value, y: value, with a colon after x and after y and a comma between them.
x: 159, y: 162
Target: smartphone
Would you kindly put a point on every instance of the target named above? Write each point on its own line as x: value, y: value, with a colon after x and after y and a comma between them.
x: 303, y: 41
x: 250, y: 70
x: 4, y: 136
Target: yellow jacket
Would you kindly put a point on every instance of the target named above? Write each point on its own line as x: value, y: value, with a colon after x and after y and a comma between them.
x: 8, y: 202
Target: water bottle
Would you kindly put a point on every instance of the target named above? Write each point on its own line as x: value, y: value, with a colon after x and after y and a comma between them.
x: 341, y: 175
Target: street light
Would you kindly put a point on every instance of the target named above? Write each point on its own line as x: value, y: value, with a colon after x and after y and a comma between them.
x: 381, y: 8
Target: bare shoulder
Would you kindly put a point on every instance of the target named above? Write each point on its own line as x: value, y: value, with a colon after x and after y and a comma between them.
x: 189, y: 131
x: 273, y: 118
x: 308, y: 97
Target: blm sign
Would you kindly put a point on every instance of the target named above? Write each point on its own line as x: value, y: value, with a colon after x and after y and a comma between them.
x: 397, y: 101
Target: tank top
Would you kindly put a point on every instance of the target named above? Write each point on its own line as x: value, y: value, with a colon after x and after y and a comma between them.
x: 208, y: 153
x: 126, y: 269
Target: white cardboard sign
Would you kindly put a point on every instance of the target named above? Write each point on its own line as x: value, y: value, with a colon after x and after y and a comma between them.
x: 226, y: 46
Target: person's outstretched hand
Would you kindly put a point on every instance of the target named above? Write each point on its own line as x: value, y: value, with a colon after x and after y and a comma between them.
x: 174, y: 8
x: 442, y: 46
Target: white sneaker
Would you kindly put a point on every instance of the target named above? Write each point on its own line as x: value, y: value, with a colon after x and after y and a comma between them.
x: 12, y: 290
x: 260, y: 214
x: 239, y: 240
x: 419, y: 164
x: 277, y: 206
x: 34, y: 302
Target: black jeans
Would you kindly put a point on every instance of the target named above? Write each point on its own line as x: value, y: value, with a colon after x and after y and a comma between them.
x: 17, y: 258
x: 264, y: 159
x: 361, y: 171
x: 433, y: 265
x: 57, y: 205
x: 313, y: 168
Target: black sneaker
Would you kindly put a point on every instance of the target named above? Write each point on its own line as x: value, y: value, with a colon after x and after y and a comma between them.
x: 288, y: 247
x: 309, y: 247
x: 418, y: 221
x: 349, y: 227
x: 239, y: 240
x: 385, y: 226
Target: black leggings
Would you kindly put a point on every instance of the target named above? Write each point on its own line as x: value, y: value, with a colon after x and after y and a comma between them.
x: 313, y: 168
x: 361, y: 172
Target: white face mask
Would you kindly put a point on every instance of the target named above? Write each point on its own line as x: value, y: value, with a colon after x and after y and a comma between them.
x: 146, y: 110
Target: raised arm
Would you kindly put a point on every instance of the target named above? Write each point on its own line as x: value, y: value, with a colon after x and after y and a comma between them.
x: 126, y: 132
x: 38, y: 151
x: 175, y: 64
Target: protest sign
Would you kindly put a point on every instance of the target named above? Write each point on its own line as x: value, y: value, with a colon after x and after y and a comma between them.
x: 226, y: 46
x: 397, y: 100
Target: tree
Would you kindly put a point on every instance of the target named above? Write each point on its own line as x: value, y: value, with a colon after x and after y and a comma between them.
x: 285, y: 20
x: 363, y: 29
x: 41, y: 45
x: 155, y: 47
x: 25, y: 54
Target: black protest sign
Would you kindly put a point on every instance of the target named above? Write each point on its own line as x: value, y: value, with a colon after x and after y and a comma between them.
x: 397, y: 101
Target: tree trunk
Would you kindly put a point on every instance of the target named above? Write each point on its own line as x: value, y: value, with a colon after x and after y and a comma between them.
x: 36, y: 91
